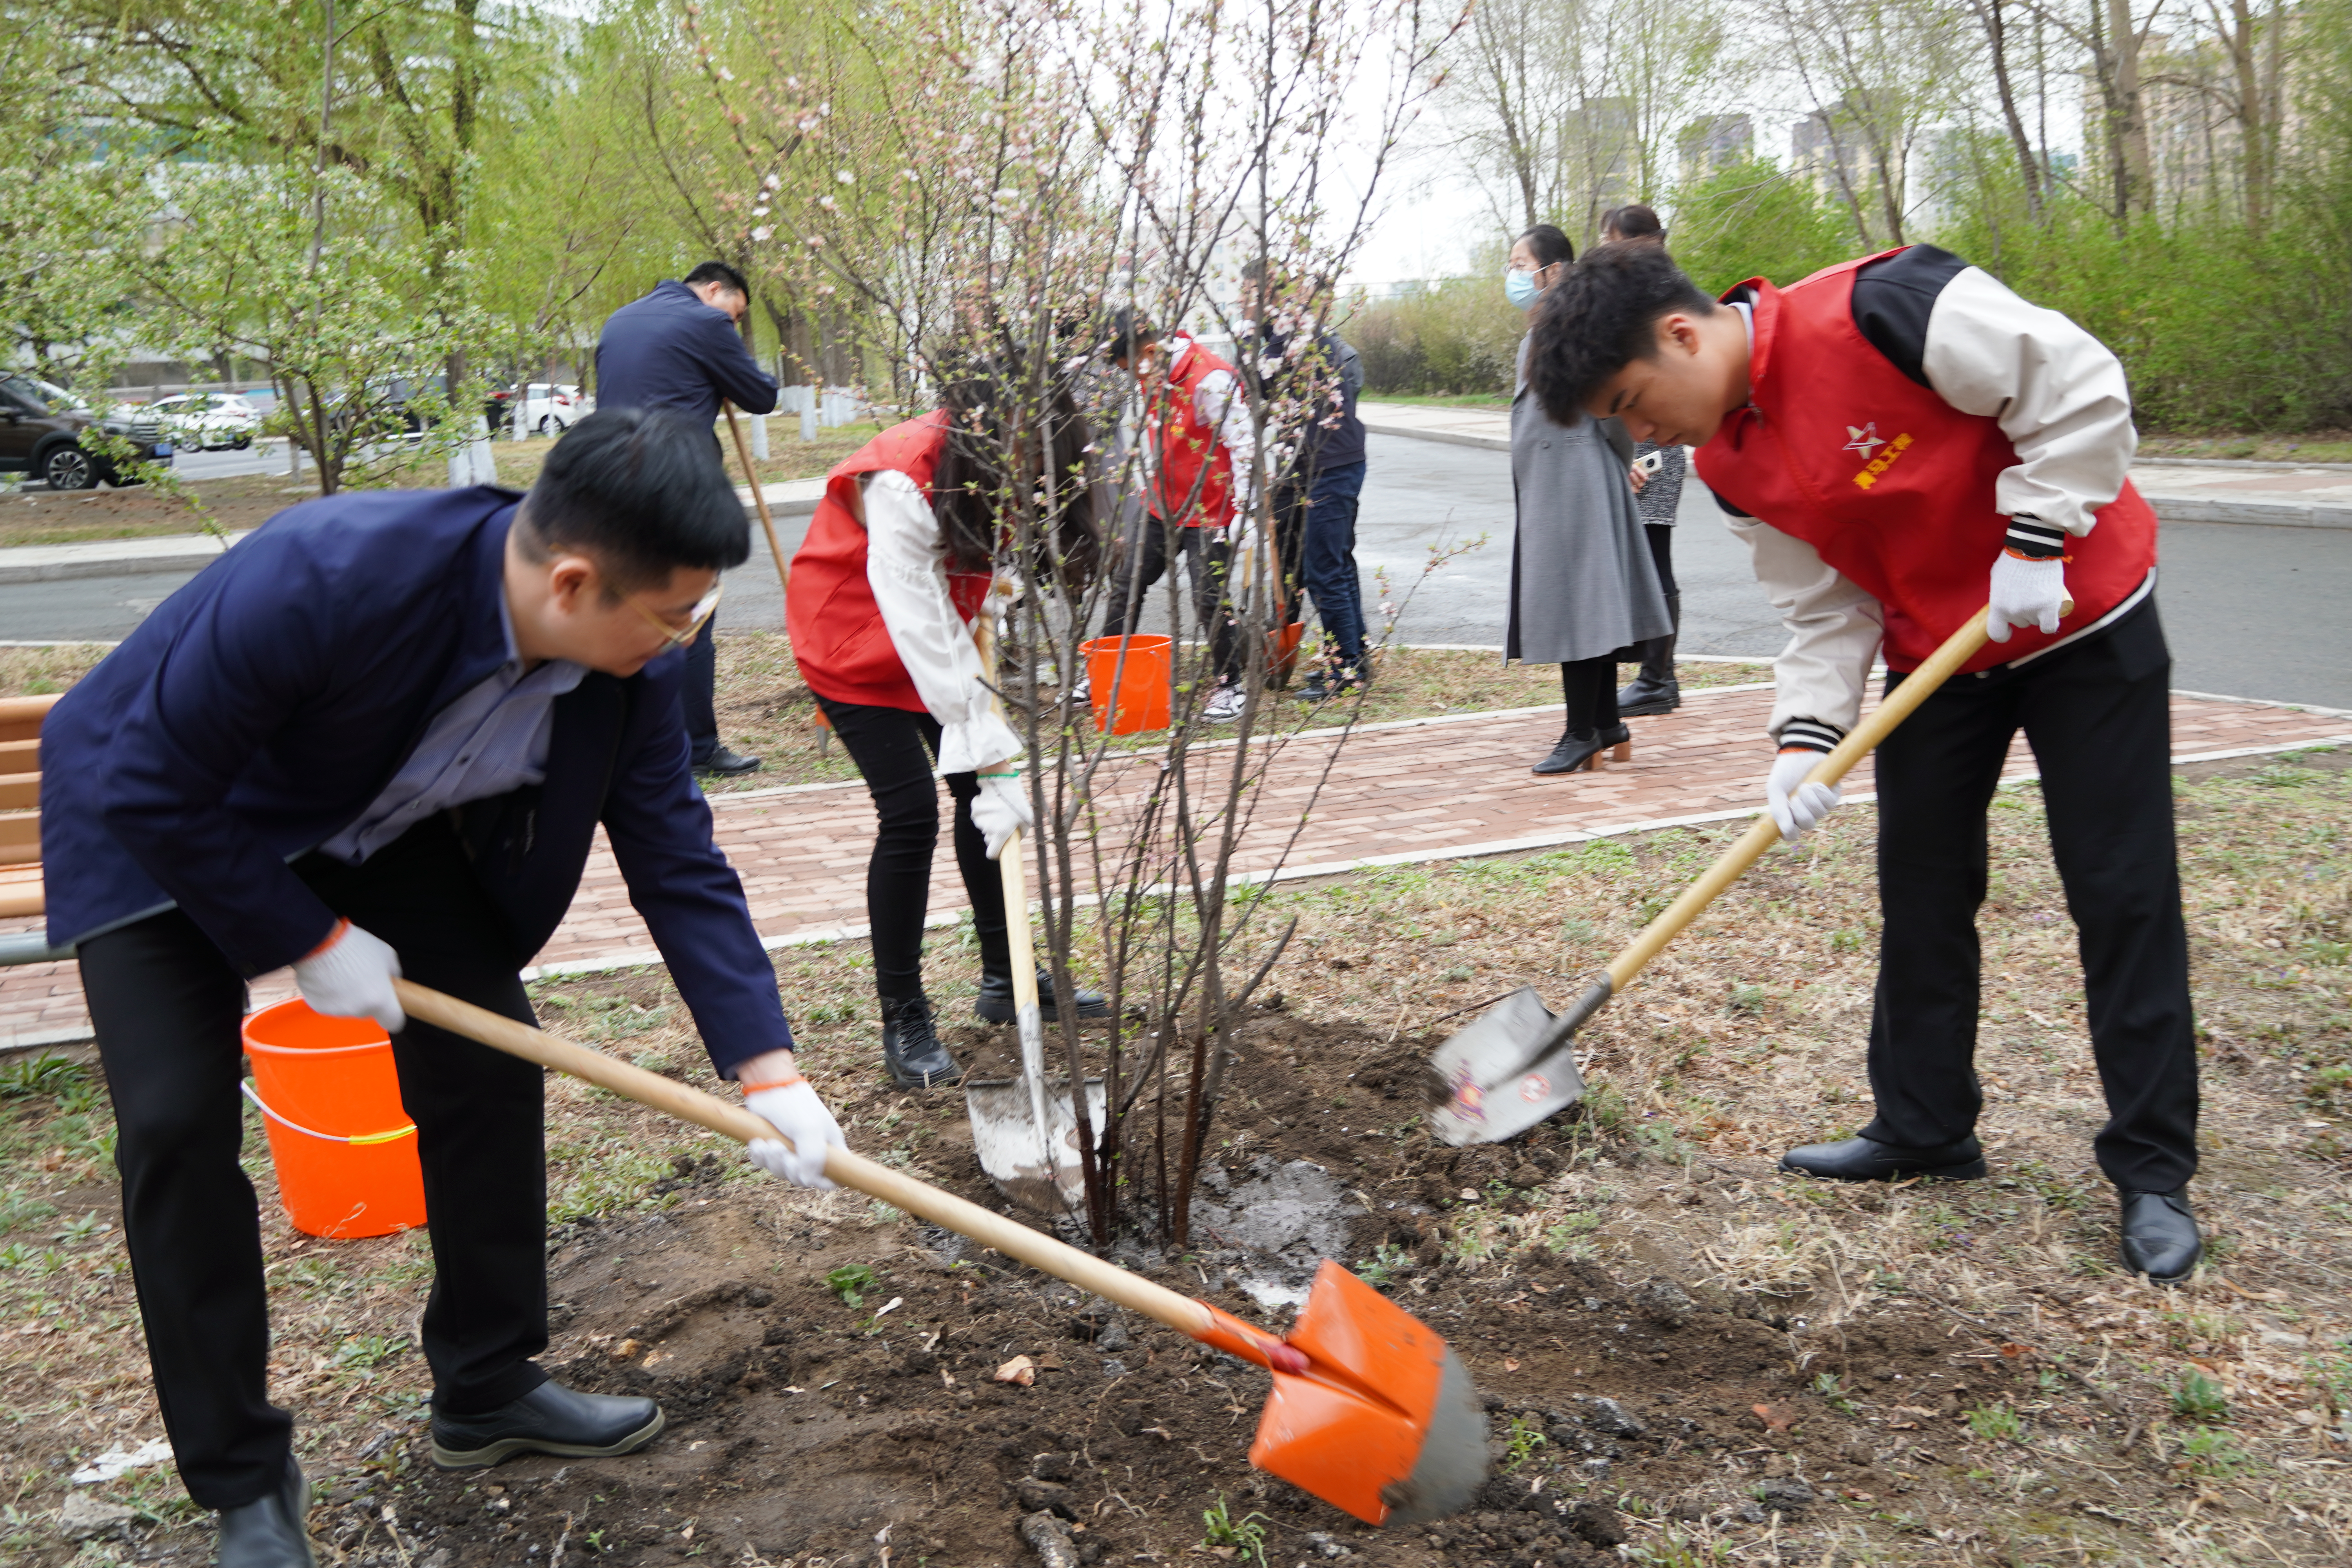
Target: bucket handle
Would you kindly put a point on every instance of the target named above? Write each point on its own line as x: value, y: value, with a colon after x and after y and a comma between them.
x: 253, y: 1095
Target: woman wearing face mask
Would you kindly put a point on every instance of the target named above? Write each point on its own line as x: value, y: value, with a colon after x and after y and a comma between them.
x: 1583, y: 589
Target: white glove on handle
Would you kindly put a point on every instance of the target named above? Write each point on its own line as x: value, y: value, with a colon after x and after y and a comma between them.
x: 349, y: 975
x: 2025, y: 594
x: 794, y: 1110
x: 1000, y: 810
x: 1797, y: 804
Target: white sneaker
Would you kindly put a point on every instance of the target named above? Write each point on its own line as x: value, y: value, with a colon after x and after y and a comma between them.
x: 1224, y: 705
x: 1080, y: 696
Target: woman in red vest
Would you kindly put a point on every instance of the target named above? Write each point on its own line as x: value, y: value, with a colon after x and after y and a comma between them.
x: 897, y: 562
x: 1901, y: 440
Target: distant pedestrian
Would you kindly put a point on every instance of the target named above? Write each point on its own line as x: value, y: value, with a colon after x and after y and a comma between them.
x: 1200, y: 451
x: 680, y: 348
x: 1312, y: 377
x: 1657, y: 495
x: 1582, y: 586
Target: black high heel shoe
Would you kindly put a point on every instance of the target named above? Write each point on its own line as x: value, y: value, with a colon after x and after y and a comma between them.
x: 1590, y: 753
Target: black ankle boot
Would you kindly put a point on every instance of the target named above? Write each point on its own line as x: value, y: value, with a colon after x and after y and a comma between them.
x: 1656, y: 690
x: 911, y: 1049
x: 1574, y: 752
x: 995, y: 1003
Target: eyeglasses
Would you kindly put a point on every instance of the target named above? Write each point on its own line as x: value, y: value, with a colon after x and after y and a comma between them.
x: 704, y: 608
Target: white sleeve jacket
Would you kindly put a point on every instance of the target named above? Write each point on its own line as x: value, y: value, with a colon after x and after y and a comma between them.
x: 1218, y: 402
x: 909, y: 576
x: 2058, y: 393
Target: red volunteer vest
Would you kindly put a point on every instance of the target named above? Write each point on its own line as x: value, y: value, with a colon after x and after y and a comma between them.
x: 1189, y: 453
x: 842, y: 648
x: 1892, y: 484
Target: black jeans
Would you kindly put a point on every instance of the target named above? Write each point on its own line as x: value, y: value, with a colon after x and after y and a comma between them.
x: 894, y: 748
x: 166, y: 1006
x: 2098, y: 717
x: 699, y: 696
x: 1208, y: 557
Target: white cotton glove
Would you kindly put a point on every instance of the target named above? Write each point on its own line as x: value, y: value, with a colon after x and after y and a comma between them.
x: 2025, y: 594
x: 795, y: 1111
x: 1797, y: 804
x: 349, y: 975
x: 1000, y: 810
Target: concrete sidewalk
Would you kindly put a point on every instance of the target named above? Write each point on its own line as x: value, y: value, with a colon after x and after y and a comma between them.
x: 801, y: 849
x: 189, y: 551
x: 2277, y: 494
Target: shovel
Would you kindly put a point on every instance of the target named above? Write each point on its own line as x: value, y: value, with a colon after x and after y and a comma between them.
x: 1370, y: 1410
x: 1026, y: 1133
x: 1516, y: 1065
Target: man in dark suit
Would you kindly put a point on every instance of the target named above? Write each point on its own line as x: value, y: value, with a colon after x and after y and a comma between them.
x: 680, y: 348
x: 373, y: 740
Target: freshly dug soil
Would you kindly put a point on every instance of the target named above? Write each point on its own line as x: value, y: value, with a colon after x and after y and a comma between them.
x: 805, y: 1426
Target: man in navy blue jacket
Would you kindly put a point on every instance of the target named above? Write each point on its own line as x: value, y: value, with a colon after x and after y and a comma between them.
x: 373, y: 740
x: 680, y: 348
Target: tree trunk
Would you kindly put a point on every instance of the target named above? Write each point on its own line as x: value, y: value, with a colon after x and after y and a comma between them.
x: 1996, y: 28
x: 2126, y: 122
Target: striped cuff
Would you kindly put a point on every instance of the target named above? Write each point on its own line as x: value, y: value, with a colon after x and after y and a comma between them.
x: 2035, y: 539
x: 1809, y: 735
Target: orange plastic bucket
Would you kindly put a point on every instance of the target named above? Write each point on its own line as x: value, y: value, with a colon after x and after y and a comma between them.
x: 1143, y: 669
x: 344, y: 1147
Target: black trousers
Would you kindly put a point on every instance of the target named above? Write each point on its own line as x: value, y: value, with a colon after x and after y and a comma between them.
x: 2098, y: 718
x: 1662, y: 554
x: 1208, y: 557
x: 166, y: 1006
x: 700, y: 693
x: 894, y: 749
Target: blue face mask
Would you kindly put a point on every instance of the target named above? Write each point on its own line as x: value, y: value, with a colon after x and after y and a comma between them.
x: 1521, y: 287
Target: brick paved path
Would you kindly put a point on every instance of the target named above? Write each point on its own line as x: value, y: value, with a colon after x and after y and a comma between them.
x: 1419, y: 790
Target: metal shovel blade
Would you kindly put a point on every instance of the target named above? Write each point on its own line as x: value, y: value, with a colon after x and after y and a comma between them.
x: 1485, y: 1086
x: 1037, y: 1167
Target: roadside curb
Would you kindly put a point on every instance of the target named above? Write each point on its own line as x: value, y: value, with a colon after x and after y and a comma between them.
x: 2175, y: 506
x: 192, y: 552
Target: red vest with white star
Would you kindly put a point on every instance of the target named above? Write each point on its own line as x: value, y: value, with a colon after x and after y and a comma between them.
x: 1890, y: 483
x: 839, y: 640
x: 1190, y: 453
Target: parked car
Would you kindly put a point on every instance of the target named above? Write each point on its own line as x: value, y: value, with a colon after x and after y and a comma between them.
x: 549, y: 407
x: 207, y: 421
x: 40, y: 433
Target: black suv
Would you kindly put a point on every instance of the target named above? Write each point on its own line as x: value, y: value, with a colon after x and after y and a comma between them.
x: 40, y: 433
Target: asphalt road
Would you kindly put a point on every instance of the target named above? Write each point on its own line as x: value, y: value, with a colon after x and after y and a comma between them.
x: 2250, y: 611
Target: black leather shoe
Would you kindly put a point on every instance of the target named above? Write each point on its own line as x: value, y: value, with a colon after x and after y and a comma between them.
x: 270, y: 1532
x: 723, y: 764
x: 1647, y: 698
x: 549, y: 1419
x: 2160, y: 1238
x: 995, y: 1003
x: 1866, y: 1159
x: 1571, y: 756
x: 911, y: 1048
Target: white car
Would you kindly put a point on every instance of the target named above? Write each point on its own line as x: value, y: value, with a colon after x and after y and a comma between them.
x: 552, y: 408
x: 208, y: 420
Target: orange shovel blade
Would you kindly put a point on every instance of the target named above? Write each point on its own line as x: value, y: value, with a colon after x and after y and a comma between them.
x: 1384, y: 1422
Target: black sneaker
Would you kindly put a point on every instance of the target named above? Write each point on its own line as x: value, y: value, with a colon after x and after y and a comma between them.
x: 995, y: 1001
x: 724, y: 764
x: 549, y: 1419
x: 911, y: 1049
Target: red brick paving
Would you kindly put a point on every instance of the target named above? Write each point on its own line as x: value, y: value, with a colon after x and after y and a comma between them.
x: 1431, y: 789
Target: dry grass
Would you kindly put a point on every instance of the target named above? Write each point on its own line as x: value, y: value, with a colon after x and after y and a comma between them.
x: 2291, y: 447
x: 41, y: 672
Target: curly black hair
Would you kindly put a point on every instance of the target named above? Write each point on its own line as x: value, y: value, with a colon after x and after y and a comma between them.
x: 1599, y: 318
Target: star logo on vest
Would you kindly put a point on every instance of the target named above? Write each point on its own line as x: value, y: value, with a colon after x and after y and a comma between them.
x: 1864, y: 440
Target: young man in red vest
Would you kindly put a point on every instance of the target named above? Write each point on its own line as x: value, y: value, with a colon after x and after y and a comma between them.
x: 1901, y: 440
x: 1201, y: 469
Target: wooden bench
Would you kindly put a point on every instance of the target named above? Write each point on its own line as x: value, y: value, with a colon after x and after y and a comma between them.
x: 20, y: 804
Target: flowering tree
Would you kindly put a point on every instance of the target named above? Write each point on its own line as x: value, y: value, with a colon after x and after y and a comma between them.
x: 993, y: 184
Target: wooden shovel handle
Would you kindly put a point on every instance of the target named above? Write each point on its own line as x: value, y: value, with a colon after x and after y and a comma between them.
x: 1012, y: 870
x: 1114, y: 1284
x: 1764, y: 833
x: 758, y: 496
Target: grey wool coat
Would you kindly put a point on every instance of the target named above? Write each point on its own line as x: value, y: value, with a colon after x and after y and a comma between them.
x: 1582, y: 583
